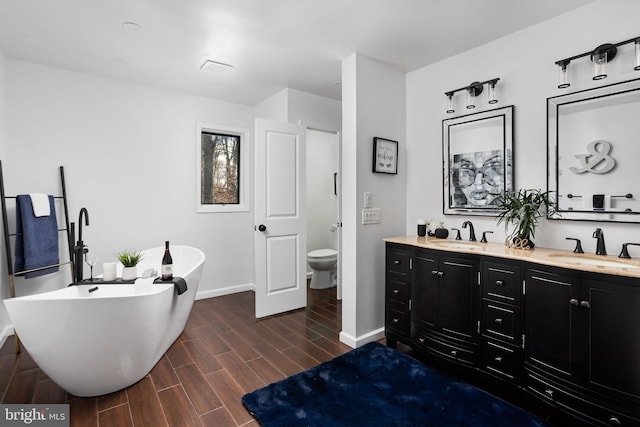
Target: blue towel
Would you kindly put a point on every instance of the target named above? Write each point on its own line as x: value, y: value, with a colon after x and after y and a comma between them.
x: 36, y: 239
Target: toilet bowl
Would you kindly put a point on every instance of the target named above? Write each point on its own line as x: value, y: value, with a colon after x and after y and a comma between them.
x: 323, y: 263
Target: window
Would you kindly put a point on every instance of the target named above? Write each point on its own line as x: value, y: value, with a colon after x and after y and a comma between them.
x: 222, y: 169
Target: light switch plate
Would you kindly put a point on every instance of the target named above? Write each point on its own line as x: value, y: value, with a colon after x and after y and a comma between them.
x: 367, y: 199
x: 371, y: 216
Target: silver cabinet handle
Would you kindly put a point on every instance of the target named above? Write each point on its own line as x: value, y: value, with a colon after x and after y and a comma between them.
x: 585, y: 304
x: 574, y: 302
x: 614, y: 421
x: 549, y: 393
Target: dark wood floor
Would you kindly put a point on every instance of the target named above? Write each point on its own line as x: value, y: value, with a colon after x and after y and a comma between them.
x: 223, y: 353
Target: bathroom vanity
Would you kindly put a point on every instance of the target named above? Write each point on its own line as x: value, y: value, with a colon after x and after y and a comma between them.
x: 558, y: 326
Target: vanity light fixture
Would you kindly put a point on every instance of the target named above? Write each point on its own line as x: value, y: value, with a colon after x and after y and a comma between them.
x: 600, y: 56
x: 473, y: 90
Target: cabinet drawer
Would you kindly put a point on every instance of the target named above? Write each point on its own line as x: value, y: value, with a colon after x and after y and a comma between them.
x: 502, y: 322
x: 462, y: 354
x: 503, y: 361
x: 397, y: 291
x: 502, y: 282
x: 398, y: 321
x: 591, y: 411
x: 398, y: 261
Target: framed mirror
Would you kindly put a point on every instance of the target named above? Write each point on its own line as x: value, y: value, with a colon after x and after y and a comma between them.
x: 477, y: 157
x: 593, y: 153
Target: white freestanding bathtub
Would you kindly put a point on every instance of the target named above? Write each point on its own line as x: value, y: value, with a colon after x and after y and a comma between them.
x: 98, y: 342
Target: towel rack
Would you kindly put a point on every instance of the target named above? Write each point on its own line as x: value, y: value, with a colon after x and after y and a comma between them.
x: 7, y: 235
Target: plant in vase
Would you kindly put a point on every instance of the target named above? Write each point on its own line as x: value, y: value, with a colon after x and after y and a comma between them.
x: 129, y: 260
x: 522, y: 208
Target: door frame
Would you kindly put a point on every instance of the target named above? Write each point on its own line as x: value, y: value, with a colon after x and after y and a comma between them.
x: 334, y: 130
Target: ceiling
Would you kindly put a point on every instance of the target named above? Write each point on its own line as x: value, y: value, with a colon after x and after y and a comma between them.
x: 272, y: 44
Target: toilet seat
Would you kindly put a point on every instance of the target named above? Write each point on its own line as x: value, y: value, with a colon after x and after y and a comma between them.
x: 322, y: 254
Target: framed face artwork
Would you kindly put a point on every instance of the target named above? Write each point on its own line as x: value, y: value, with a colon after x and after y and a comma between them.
x: 385, y: 156
x: 478, y: 161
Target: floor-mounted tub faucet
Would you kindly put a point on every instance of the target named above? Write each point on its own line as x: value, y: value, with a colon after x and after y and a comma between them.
x: 600, y: 248
x: 80, y: 249
x: 472, y: 233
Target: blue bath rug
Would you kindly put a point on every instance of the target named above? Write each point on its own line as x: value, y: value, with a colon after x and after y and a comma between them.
x: 375, y: 385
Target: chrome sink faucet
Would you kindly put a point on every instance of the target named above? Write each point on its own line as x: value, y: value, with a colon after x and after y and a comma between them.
x: 472, y: 233
x: 600, y: 248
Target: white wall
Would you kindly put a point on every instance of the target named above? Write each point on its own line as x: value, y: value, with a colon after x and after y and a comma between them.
x: 525, y: 64
x: 4, y: 286
x: 276, y: 107
x: 294, y: 106
x: 129, y: 157
x: 313, y: 109
x: 373, y: 97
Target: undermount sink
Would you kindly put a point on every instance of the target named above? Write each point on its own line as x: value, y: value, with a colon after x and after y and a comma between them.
x: 593, y: 261
x: 470, y: 246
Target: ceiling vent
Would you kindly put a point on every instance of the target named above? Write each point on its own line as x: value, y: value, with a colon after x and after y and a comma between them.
x: 215, y: 66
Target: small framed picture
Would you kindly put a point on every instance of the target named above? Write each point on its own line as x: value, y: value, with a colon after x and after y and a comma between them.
x: 385, y: 156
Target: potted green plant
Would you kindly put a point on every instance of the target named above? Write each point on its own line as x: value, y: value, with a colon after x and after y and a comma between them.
x: 129, y: 260
x: 522, y: 208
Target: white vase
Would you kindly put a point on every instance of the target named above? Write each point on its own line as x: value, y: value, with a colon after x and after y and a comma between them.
x: 129, y: 273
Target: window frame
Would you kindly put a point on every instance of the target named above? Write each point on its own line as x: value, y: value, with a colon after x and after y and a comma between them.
x: 244, y: 202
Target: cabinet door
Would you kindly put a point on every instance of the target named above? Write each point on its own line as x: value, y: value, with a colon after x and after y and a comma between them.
x: 458, y: 297
x: 424, y: 289
x: 551, y: 323
x: 614, y: 335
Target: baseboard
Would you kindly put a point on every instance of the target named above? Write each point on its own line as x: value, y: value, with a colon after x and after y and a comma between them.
x: 6, y: 333
x: 355, y: 342
x: 225, y: 291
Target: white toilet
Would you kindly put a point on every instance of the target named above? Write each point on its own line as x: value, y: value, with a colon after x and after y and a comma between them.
x: 323, y: 263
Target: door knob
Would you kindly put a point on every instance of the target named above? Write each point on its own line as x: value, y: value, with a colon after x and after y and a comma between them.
x: 262, y: 227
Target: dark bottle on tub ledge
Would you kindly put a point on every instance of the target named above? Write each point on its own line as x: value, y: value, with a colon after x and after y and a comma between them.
x: 167, y: 263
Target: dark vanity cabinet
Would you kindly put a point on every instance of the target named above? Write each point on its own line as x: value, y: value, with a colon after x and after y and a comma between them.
x: 583, y: 344
x: 397, y: 293
x: 501, y: 323
x: 569, y: 338
x: 445, y: 293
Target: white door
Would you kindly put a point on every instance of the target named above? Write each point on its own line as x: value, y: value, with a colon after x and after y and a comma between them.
x: 280, y: 220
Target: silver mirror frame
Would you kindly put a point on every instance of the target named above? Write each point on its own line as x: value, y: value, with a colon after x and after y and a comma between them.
x: 500, y: 139
x: 554, y: 154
